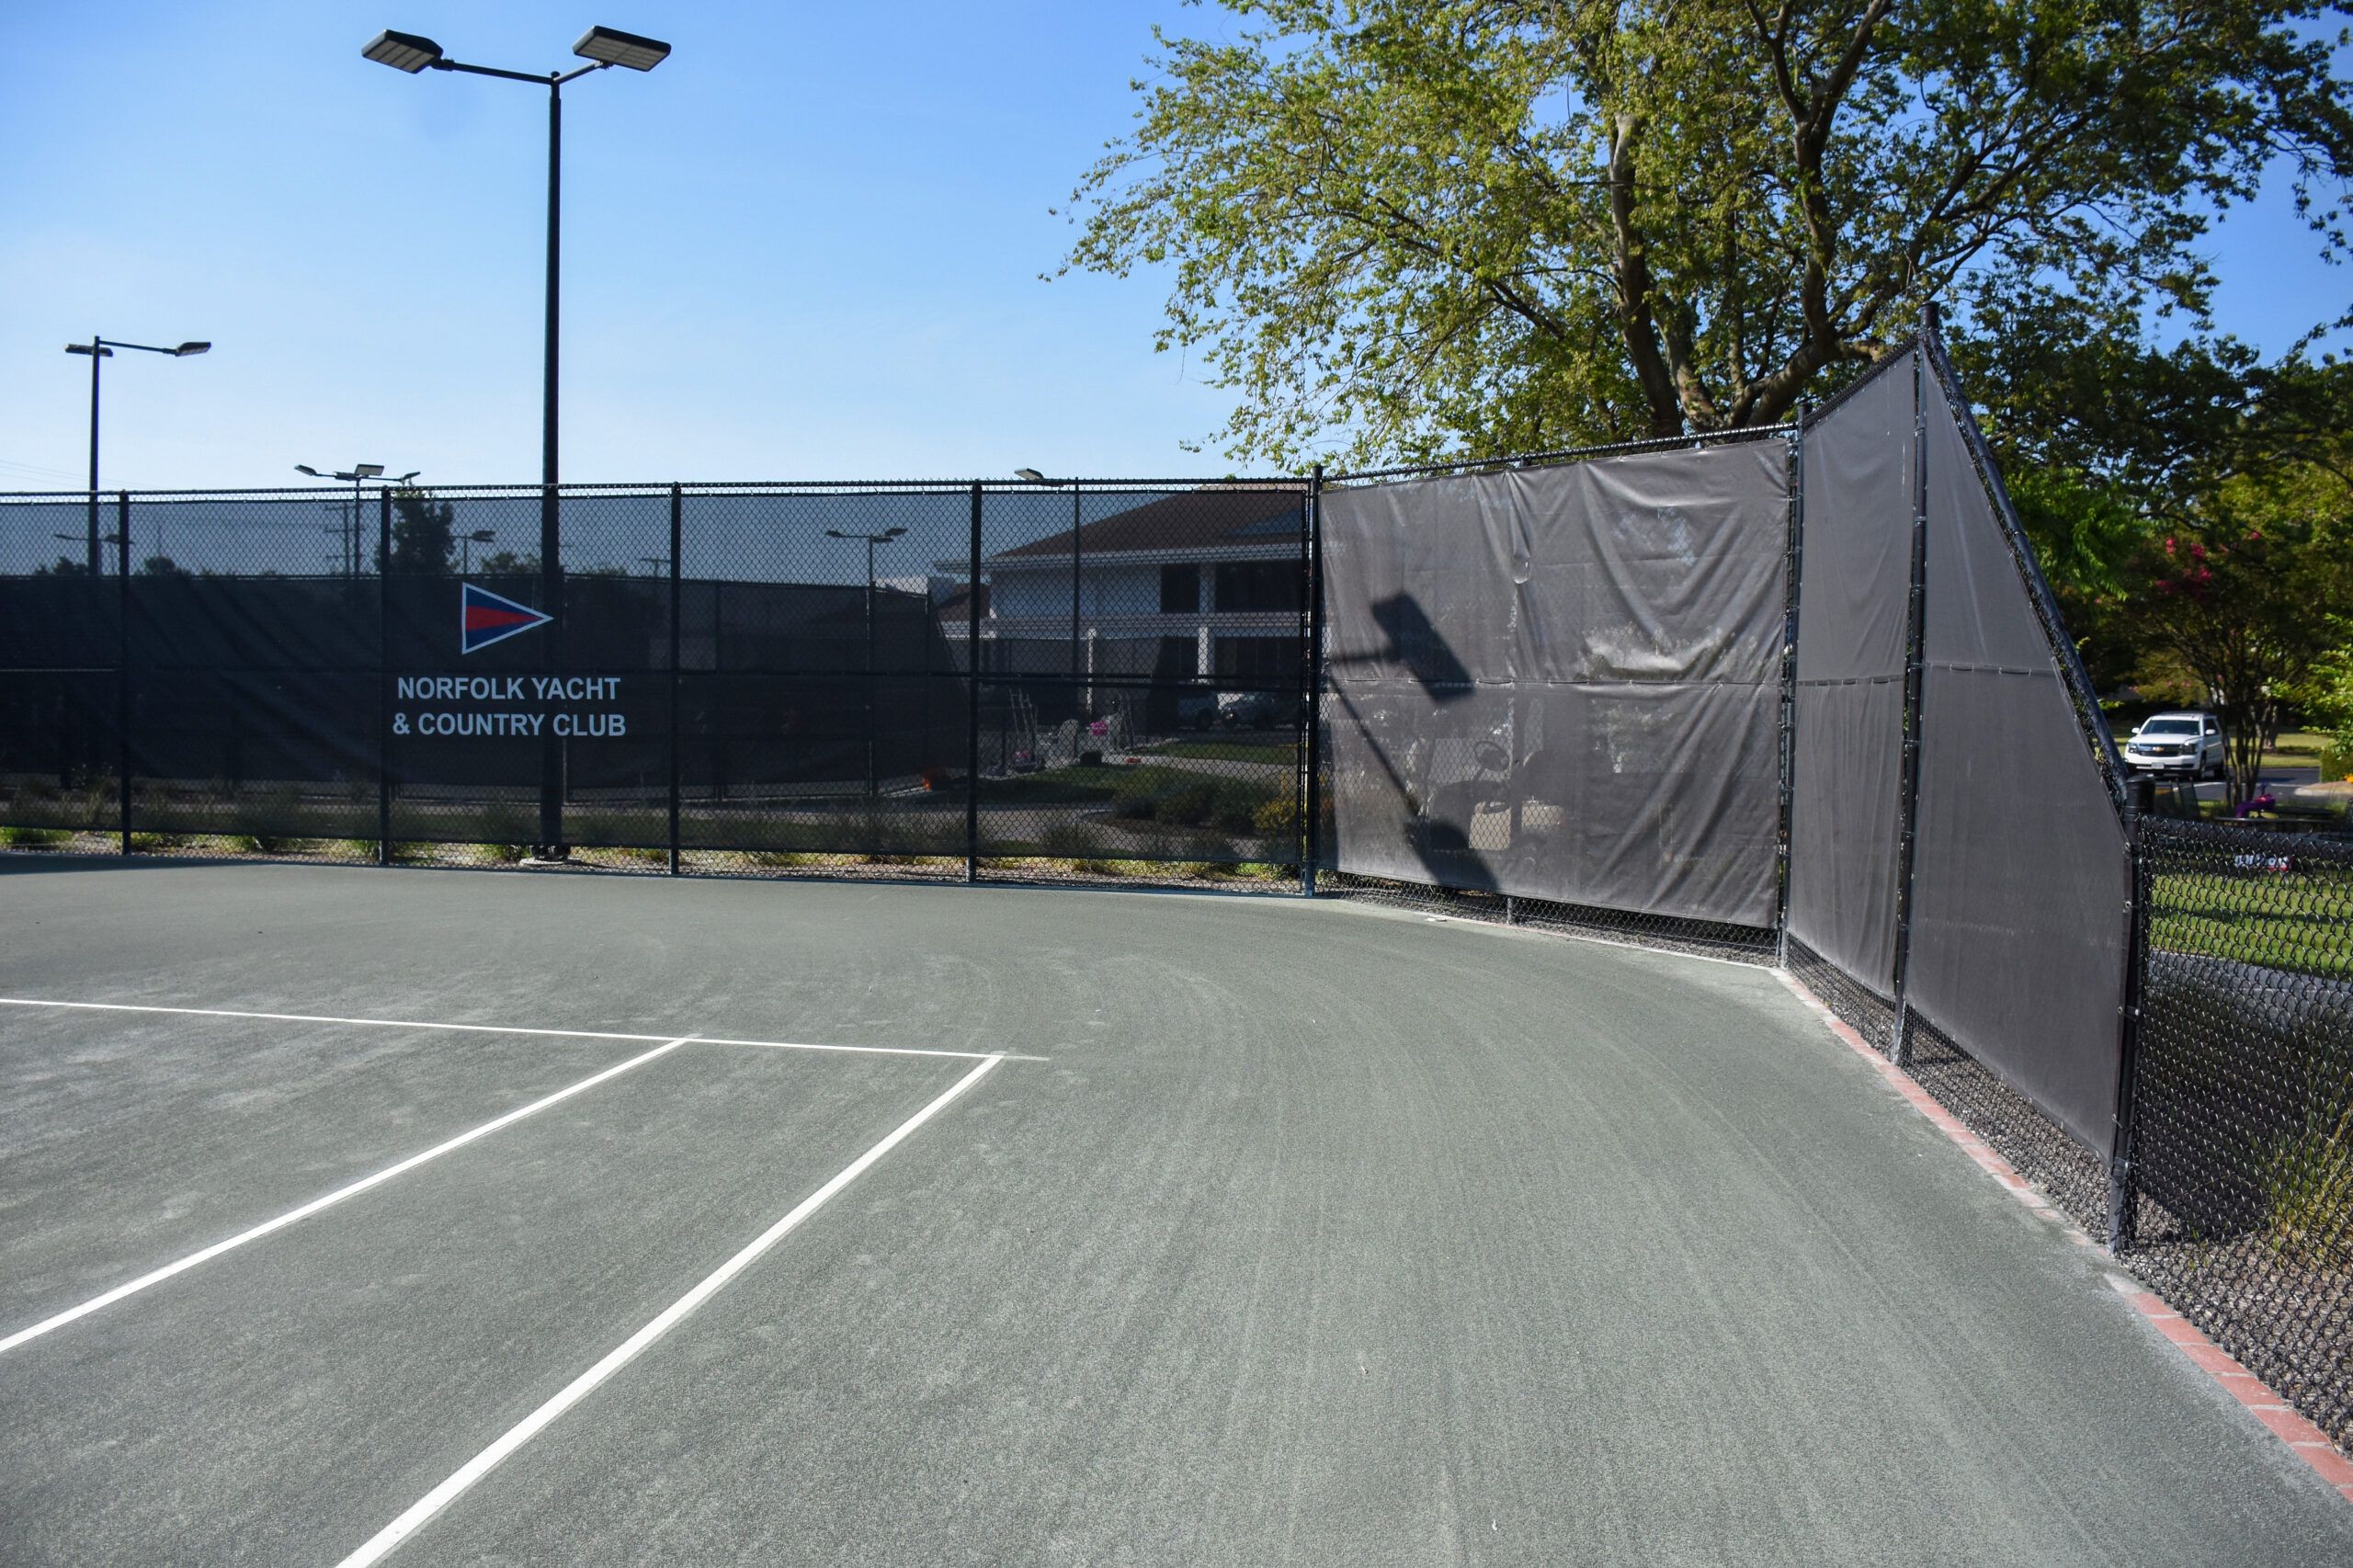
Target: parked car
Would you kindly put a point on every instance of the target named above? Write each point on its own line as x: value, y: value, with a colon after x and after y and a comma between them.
x: 2187, y: 745
x: 1256, y: 711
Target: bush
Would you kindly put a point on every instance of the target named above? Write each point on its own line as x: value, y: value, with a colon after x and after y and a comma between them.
x: 34, y: 837
x: 1279, y: 818
x: 1068, y: 841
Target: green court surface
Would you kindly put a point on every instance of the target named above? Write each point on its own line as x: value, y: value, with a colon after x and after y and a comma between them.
x: 442, y: 1217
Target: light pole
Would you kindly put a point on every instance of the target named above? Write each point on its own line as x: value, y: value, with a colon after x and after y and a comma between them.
x: 357, y: 475
x: 602, y: 48
x: 867, y: 685
x: 1076, y: 639
x: 466, y: 543
x: 99, y: 348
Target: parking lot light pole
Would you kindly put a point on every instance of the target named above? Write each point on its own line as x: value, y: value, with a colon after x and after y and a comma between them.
x: 99, y: 348
x: 357, y: 475
x: 603, y: 47
x: 867, y: 685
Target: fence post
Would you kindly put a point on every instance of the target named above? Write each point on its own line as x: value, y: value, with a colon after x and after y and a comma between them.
x: 973, y: 701
x: 384, y: 675
x: 2123, y: 1173
x: 1792, y: 565
x: 552, y: 653
x: 1914, y: 647
x: 122, y: 654
x: 1312, y: 828
x: 677, y: 540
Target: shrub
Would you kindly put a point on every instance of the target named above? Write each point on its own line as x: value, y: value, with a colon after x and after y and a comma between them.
x: 1068, y: 841
x: 1278, y: 818
x: 34, y: 837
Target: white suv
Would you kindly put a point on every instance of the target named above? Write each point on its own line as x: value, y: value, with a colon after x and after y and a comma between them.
x: 2190, y: 745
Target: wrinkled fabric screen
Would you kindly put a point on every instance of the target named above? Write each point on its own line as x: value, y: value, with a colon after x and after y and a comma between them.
x: 1563, y: 683
x: 1854, y: 577
x: 2020, y: 876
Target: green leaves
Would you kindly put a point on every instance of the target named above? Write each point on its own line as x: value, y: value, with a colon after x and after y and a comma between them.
x: 1403, y: 228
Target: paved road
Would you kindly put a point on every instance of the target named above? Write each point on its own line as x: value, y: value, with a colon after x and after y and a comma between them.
x: 1325, y: 1234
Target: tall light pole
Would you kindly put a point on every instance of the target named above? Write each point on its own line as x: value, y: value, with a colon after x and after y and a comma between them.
x: 99, y: 348
x: 602, y: 48
x: 867, y: 685
x: 357, y: 475
x: 466, y: 543
x: 1078, y: 639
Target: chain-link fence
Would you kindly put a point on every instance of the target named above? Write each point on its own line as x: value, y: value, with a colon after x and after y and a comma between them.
x: 1621, y: 717
x: 2241, y: 1112
x: 1073, y: 680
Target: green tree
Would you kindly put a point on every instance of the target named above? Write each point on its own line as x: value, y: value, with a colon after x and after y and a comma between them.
x: 2237, y: 594
x: 1401, y: 227
x: 423, y: 532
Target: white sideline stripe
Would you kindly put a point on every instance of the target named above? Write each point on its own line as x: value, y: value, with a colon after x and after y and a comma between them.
x: 415, y: 1518
x: 329, y: 1200
x: 487, y: 1029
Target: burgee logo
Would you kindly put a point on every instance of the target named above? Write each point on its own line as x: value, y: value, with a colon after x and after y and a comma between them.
x: 484, y: 618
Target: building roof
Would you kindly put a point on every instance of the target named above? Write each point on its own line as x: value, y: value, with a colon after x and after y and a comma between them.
x: 1196, y: 519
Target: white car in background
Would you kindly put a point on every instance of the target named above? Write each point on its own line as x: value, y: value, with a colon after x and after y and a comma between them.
x: 2187, y: 745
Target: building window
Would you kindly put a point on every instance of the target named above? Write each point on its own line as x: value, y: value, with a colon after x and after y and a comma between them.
x: 1258, y: 661
x: 1259, y: 585
x: 1180, y: 590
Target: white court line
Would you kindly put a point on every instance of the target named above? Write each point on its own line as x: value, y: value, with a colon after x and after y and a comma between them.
x: 496, y: 1028
x: 329, y: 1200
x: 414, y: 1518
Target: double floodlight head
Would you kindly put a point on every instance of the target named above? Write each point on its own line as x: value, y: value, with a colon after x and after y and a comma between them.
x: 413, y: 52
x: 104, y: 349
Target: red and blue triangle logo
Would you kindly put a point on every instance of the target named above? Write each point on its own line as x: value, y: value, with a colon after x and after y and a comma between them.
x: 484, y: 618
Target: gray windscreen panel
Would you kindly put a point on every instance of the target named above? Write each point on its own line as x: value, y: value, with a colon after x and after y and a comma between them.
x: 2020, y: 876
x: 1855, y: 581
x: 1560, y: 683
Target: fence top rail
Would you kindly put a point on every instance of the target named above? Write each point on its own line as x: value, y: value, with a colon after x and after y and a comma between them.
x: 1569, y: 454
x: 662, y: 487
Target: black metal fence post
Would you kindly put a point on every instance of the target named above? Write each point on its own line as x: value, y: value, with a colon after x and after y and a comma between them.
x: 677, y: 540
x: 2124, y: 1177
x: 383, y: 676
x: 1792, y: 564
x: 1311, y: 824
x: 551, y: 753
x: 973, y: 701
x: 122, y: 657
x: 1915, y: 649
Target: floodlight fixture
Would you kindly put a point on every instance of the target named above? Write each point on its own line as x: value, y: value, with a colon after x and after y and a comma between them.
x: 185, y: 350
x: 306, y: 468
x: 100, y: 350
x: 368, y: 471
x: 1031, y: 474
x: 610, y: 46
x: 403, y: 51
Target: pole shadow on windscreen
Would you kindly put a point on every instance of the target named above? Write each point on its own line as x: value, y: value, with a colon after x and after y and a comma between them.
x: 1445, y: 775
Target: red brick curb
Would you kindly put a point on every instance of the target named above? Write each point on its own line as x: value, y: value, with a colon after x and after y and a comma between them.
x: 2308, y: 1442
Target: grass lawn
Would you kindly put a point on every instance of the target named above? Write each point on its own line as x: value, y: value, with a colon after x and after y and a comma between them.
x: 1283, y: 753
x: 2296, y: 748
x: 2300, y: 920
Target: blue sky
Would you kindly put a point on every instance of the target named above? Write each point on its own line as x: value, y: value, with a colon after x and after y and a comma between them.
x: 807, y: 246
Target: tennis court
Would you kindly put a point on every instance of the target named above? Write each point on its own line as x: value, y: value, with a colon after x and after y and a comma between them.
x: 1111, y: 1227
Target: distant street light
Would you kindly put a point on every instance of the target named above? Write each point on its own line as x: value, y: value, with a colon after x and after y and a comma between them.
x: 357, y: 475
x: 602, y: 48
x: 99, y: 348
x: 466, y: 543
x: 885, y: 537
x: 1077, y: 641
